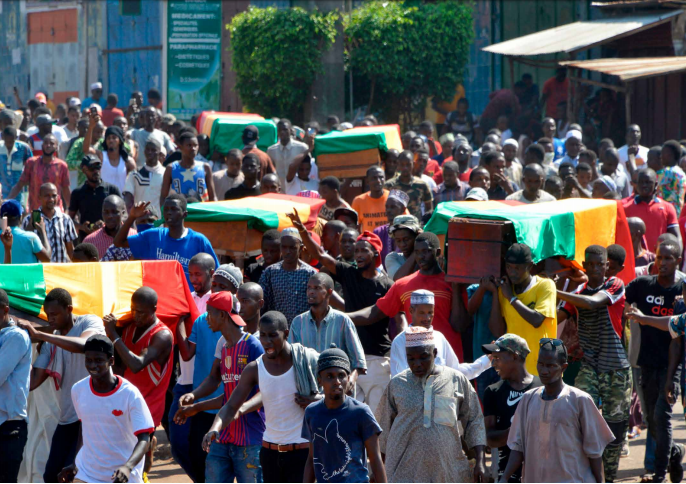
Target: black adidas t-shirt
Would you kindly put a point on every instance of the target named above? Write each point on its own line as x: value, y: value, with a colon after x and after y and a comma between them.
x: 501, y: 400
x: 653, y: 300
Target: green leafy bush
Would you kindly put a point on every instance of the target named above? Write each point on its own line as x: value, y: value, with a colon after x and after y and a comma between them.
x: 408, y: 52
x: 277, y: 55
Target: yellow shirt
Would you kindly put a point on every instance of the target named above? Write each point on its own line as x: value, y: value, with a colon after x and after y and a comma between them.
x: 541, y: 296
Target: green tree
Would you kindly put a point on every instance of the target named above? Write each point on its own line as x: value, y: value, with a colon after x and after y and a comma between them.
x: 407, y: 52
x: 277, y: 55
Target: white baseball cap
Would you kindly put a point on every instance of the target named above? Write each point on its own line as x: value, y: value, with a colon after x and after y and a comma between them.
x: 74, y: 102
x: 96, y: 85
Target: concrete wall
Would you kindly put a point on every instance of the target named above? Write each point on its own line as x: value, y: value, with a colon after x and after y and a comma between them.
x: 13, y: 54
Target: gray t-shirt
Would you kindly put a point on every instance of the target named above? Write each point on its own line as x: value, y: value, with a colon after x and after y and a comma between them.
x: 141, y: 137
x: 73, y: 365
x: 394, y: 261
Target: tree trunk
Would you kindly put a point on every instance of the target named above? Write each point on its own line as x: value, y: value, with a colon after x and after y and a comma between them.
x: 371, y: 97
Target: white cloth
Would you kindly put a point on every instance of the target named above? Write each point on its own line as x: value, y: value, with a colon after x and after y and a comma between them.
x: 44, y: 416
x: 114, y: 175
x: 58, y: 131
x: 283, y: 417
x: 371, y: 385
x: 282, y: 156
x: 297, y: 185
x: 641, y: 158
x: 445, y: 357
x: 110, y: 424
x: 187, y: 367
x: 429, y: 181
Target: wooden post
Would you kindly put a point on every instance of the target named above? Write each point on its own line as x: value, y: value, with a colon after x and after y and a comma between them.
x: 512, y: 77
x: 627, y: 104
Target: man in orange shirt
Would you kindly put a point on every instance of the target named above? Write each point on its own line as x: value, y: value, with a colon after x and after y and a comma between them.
x: 371, y: 206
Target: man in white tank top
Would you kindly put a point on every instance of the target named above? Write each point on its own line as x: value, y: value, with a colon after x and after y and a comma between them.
x: 286, y: 377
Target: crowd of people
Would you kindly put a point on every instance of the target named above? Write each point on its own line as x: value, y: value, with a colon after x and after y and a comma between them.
x: 342, y: 353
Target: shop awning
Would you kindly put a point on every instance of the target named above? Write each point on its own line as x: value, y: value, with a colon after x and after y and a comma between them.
x: 579, y: 35
x: 630, y: 69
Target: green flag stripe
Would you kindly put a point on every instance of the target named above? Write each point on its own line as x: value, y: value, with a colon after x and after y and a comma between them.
x: 262, y: 220
x: 25, y: 286
x: 548, y: 235
x: 340, y: 142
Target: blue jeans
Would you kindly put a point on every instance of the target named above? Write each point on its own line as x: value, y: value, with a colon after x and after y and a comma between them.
x: 179, y: 434
x: 227, y: 462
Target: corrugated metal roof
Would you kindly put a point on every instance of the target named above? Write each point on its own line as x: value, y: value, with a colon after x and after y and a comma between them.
x: 578, y: 35
x: 631, y: 69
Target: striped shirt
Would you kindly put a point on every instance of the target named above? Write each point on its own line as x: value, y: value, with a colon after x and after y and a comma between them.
x: 60, y: 231
x: 336, y: 327
x: 248, y: 429
x: 102, y: 241
x: 600, y: 329
x: 286, y: 291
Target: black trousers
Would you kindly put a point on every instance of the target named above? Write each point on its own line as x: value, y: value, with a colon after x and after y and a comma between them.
x: 200, y: 425
x: 283, y: 466
x: 13, y: 435
x: 62, y: 450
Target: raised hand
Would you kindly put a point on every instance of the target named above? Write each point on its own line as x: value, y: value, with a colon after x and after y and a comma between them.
x: 295, y: 220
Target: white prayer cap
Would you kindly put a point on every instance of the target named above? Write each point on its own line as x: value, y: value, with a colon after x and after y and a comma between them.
x: 418, y: 336
x: 511, y: 141
x: 422, y: 296
x: 574, y: 133
x: 96, y: 85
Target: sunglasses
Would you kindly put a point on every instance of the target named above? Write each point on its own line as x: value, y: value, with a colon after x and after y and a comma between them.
x: 553, y: 342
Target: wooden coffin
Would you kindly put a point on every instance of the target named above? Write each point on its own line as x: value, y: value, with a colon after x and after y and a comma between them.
x: 476, y: 248
x: 234, y: 239
x: 347, y: 165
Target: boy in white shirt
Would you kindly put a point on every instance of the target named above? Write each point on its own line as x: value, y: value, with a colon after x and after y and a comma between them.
x: 108, y: 405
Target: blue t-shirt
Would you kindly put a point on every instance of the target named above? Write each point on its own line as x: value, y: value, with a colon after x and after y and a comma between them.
x: 189, y: 181
x: 559, y: 146
x: 205, y: 343
x: 338, y: 438
x: 156, y: 244
x: 102, y: 102
x: 482, y: 335
x: 25, y: 246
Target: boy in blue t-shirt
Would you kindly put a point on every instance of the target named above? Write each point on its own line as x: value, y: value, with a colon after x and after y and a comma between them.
x: 173, y: 242
x: 341, y: 430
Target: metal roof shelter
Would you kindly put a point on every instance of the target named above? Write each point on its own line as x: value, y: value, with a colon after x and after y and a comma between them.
x: 576, y: 37
x: 628, y: 69
x: 653, y: 99
x: 579, y: 36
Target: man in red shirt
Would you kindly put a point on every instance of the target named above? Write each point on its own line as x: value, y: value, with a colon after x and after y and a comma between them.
x: 426, y: 128
x: 111, y: 112
x: 145, y: 351
x: 450, y: 312
x: 504, y: 101
x: 45, y: 168
x: 658, y: 215
x: 555, y: 91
